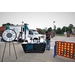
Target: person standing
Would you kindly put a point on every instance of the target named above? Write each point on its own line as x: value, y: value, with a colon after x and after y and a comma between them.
x: 47, y: 41
x: 20, y: 37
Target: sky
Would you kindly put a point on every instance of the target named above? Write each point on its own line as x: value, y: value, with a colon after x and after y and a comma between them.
x: 38, y: 19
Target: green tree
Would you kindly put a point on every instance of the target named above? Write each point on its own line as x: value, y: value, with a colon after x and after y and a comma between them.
x: 71, y: 26
x: 44, y: 30
x: 40, y: 31
x: 58, y: 31
x: 65, y: 29
x: 7, y: 24
x: 49, y: 29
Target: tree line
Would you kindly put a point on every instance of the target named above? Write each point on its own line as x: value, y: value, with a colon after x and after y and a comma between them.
x: 58, y: 30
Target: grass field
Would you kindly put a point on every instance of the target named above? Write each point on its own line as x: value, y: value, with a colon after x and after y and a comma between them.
x: 63, y: 35
x: 60, y: 35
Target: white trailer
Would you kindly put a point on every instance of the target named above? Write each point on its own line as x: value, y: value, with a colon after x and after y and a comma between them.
x: 30, y: 33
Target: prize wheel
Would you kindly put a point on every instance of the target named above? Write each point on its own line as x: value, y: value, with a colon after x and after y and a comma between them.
x: 9, y: 35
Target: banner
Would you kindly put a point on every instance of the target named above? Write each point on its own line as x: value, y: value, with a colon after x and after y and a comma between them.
x: 34, y: 48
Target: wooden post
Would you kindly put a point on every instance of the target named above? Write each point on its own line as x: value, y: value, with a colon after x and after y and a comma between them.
x: 54, y: 34
x: 68, y: 34
x: 51, y: 34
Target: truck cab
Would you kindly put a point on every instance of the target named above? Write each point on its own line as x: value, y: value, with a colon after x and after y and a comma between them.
x: 35, y: 35
x: 32, y: 33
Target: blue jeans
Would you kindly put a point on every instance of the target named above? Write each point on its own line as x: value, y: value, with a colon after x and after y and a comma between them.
x: 48, y: 45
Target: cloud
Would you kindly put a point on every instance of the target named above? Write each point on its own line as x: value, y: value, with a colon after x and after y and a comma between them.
x: 38, y: 19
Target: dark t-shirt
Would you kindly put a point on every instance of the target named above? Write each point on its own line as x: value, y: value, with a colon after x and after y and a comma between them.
x: 47, y: 36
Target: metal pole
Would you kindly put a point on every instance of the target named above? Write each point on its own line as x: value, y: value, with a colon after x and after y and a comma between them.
x: 65, y: 29
x: 25, y: 32
x: 15, y: 51
x: 53, y: 25
x: 9, y: 48
x: 3, y: 52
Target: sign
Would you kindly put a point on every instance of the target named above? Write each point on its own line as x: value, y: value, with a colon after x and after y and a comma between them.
x: 29, y: 47
x: 34, y: 48
x: 66, y: 49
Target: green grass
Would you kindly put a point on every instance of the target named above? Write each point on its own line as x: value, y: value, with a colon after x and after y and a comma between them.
x: 60, y: 35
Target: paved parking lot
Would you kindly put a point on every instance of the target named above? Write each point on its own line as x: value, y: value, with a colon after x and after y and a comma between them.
x: 47, y: 56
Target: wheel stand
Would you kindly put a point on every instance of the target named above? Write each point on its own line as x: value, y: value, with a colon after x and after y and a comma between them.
x: 9, y: 50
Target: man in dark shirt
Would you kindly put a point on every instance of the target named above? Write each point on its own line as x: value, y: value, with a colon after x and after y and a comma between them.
x: 47, y: 41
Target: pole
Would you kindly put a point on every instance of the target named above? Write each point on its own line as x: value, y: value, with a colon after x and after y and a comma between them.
x: 53, y: 28
x: 53, y: 24
x: 54, y: 50
x: 65, y: 29
x: 9, y: 51
x: 14, y: 50
x: 9, y: 48
x: 25, y: 30
x: 3, y: 52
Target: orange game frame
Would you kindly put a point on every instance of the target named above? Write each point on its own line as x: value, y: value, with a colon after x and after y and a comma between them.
x: 65, y: 49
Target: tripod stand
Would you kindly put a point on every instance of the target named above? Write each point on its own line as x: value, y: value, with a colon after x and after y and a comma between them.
x: 9, y: 50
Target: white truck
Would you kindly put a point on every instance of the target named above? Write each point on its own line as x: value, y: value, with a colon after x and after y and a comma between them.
x: 30, y: 33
